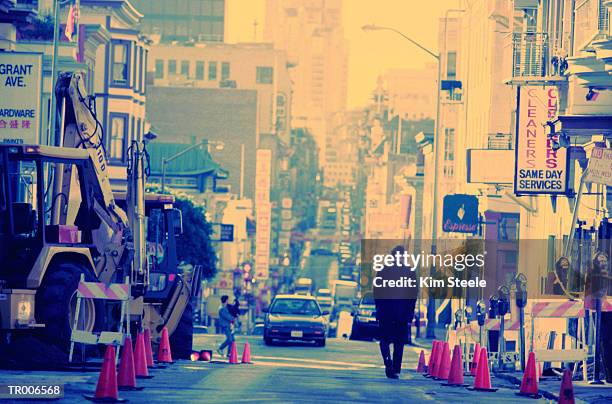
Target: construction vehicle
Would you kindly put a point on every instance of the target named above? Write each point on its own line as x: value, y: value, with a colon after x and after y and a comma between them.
x: 59, y: 222
x: 172, y: 286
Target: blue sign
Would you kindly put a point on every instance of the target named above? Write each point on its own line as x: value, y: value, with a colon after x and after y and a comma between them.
x: 222, y: 232
x: 460, y: 214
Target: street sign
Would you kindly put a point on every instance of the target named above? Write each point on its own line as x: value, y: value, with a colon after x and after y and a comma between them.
x: 263, y: 213
x: 600, y: 166
x: 539, y: 169
x: 460, y: 214
x: 20, y: 92
x: 222, y: 232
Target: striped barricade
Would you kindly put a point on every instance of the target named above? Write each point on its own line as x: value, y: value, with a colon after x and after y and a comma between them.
x: 561, y: 309
x: 100, y: 291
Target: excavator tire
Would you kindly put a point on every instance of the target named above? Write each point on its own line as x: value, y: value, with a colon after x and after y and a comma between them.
x: 49, y: 347
x: 53, y: 301
x: 181, y: 340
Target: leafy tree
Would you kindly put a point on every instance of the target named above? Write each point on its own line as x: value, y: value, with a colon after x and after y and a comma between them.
x: 194, y: 246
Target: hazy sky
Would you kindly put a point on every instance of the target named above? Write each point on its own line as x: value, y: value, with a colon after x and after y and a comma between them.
x: 370, y: 53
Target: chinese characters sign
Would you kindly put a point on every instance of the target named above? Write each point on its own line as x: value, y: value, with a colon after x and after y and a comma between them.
x: 540, y: 169
x: 20, y: 89
x: 263, y: 213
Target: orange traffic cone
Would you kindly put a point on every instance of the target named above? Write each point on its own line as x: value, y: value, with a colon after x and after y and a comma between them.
x: 529, y: 385
x: 437, y: 360
x: 566, y: 394
x: 475, y: 358
x: 444, y: 366
x: 421, y: 365
x: 433, y: 359
x: 164, y: 354
x: 233, y: 357
x: 148, y: 348
x: 106, y: 389
x: 127, y: 374
x: 482, y: 381
x: 455, y: 375
x: 140, y: 358
x: 246, y: 353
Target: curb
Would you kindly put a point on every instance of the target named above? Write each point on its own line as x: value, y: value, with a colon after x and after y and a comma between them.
x: 517, y: 381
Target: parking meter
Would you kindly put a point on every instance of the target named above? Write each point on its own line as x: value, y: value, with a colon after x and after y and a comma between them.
x: 503, y: 307
x: 468, y: 314
x: 597, y: 288
x: 481, y: 316
x: 493, y: 306
x: 457, y: 319
x: 520, y: 282
x: 503, y: 304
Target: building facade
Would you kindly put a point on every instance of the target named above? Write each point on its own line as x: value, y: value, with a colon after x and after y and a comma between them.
x: 183, y: 20
x: 311, y: 33
x: 257, y: 67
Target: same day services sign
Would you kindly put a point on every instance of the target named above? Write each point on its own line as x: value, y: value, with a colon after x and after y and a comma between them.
x: 539, y: 168
x: 20, y: 93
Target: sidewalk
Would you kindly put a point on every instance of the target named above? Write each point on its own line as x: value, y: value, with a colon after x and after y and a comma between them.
x: 549, y: 385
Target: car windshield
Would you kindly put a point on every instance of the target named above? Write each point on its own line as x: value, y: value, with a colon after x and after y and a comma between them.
x: 295, y: 307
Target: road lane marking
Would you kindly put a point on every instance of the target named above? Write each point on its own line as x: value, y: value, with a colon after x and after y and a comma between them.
x: 305, y: 365
x: 317, y: 361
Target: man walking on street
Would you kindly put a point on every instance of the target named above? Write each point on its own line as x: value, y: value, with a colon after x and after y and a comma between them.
x: 226, y: 321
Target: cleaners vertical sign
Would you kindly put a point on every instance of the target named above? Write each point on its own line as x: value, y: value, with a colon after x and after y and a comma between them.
x: 539, y: 168
x: 20, y: 93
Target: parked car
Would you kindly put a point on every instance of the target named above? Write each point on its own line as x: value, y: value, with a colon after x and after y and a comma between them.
x: 365, y: 325
x: 295, y: 318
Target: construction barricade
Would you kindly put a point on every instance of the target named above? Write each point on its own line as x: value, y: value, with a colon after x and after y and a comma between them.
x: 100, y: 291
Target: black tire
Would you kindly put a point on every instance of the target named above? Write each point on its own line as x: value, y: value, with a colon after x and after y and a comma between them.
x: 181, y: 340
x: 320, y: 343
x: 267, y: 341
x: 51, y: 345
x: 355, y: 335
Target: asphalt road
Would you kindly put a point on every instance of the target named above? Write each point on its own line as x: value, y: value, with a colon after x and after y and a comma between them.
x: 343, y: 371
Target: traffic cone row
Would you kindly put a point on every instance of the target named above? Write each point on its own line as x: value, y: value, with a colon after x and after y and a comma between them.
x: 134, y: 365
x: 442, y: 367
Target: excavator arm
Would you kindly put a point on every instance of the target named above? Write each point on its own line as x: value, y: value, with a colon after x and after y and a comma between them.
x: 122, y: 235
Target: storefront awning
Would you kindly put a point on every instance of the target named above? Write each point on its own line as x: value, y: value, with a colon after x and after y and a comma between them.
x: 582, y: 125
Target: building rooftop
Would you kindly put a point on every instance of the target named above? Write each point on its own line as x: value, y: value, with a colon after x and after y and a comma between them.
x: 196, y: 161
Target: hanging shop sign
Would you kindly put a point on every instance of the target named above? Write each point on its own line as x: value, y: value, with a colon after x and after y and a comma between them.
x: 541, y: 168
x: 460, y: 214
x: 600, y: 166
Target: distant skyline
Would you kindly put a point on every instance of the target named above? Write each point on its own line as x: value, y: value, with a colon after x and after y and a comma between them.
x: 370, y: 53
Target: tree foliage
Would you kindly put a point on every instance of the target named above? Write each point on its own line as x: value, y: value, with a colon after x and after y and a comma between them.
x: 194, y: 246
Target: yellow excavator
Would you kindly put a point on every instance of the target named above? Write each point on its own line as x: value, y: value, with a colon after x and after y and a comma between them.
x: 59, y: 222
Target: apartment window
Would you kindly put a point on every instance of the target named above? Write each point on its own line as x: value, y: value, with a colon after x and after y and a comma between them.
x: 218, y: 8
x: 199, y: 70
x: 265, y: 75
x: 225, y: 71
x: 159, y: 69
x: 171, y: 66
x: 449, y: 144
x: 185, y: 68
x: 451, y: 65
x: 212, y: 70
x: 121, y: 67
x: 119, y: 126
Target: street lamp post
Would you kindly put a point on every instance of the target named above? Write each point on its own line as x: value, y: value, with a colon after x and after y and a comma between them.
x: 219, y: 145
x: 431, y: 318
